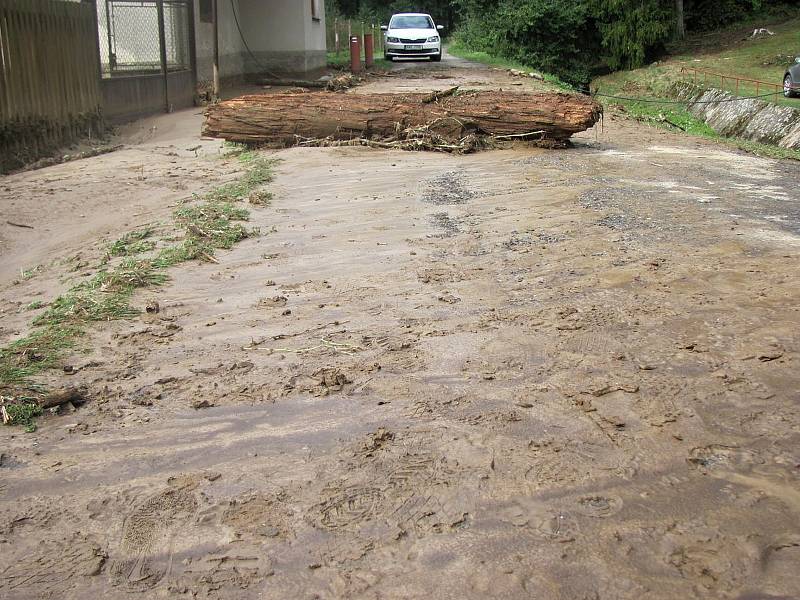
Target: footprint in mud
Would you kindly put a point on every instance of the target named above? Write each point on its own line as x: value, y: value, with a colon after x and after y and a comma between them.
x: 703, y: 564
x: 350, y: 508
x: 52, y: 568
x: 146, y: 549
x: 717, y: 456
x: 258, y: 515
x: 780, y: 562
x: 421, y: 497
x: 226, y: 574
x: 557, y: 526
x: 413, y: 471
x: 599, y: 506
x: 706, y: 557
x: 545, y: 522
x: 321, y: 382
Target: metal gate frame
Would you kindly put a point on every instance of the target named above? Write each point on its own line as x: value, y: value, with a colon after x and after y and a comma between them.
x: 163, y: 67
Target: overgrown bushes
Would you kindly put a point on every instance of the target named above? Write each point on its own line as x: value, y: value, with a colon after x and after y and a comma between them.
x: 574, y: 39
x: 706, y: 15
x: 554, y: 36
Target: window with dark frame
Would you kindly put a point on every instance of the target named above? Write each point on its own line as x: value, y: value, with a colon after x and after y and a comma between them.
x: 315, y: 10
x: 206, y: 11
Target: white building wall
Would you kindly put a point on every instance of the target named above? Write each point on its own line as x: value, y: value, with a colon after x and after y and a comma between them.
x: 282, y: 35
x: 231, y: 61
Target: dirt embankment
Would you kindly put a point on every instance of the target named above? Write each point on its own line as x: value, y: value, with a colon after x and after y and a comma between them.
x: 520, y: 373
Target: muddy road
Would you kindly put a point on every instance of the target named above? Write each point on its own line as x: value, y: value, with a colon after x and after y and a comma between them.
x: 521, y: 373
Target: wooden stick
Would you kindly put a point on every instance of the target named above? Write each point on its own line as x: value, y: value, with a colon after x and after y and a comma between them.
x: 74, y: 395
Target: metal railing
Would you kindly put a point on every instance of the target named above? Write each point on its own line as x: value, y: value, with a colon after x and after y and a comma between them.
x: 738, y: 85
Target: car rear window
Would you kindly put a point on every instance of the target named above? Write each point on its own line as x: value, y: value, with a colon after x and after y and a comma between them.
x: 408, y: 22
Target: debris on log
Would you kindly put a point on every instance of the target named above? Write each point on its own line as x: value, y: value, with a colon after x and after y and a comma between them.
x: 390, y: 120
x: 438, y: 95
x: 341, y: 82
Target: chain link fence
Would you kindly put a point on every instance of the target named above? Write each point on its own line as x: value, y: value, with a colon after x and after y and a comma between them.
x: 130, y: 40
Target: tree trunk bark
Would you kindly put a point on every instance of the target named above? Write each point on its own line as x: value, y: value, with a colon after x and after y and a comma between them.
x: 680, y: 30
x: 279, y: 119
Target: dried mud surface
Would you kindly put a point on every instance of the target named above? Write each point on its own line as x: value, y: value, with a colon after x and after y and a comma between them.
x: 517, y: 374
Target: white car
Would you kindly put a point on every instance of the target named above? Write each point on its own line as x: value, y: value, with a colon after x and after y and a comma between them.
x: 412, y: 35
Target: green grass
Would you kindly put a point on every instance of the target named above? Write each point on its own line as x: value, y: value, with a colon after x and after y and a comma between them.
x: 725, y: 52
x: 456, y: 48
x: 133, y: 242
x: 259, y: 172
x: 211, y: 222
x: 732, y: 53
x: 34, y: 353
x: 678, y: 119
x: 23, y: 413
x: 27, y: 274
x: 729, y: 52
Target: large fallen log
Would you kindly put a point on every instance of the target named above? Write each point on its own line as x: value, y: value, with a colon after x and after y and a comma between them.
x: 290, y: 118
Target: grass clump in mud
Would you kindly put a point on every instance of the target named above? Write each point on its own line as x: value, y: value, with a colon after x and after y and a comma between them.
x: 259, y: 173
x: 208, y: 223
x: 208, y: 226
x: 132, y: 243
x: 22, y: 413
x: 104, y: 297
x: 34, y: 353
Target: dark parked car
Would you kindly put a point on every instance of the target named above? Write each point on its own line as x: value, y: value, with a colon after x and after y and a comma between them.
x: 791, y: 81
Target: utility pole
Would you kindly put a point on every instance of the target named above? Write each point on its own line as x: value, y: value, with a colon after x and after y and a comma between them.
x: 215, y: 19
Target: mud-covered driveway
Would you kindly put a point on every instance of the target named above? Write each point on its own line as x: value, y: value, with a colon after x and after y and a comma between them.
x: 515, y: 374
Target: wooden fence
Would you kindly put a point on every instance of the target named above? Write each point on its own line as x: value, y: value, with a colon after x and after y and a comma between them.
x: 49, y: 82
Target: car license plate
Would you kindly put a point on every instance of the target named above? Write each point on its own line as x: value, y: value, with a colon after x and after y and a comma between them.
x: 413, y: 47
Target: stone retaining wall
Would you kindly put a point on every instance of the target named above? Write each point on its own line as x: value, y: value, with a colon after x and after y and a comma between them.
x: 751, y: 119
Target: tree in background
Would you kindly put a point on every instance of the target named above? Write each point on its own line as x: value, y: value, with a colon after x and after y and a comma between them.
x: 633, y: 31
x: 572, y: 39
x: 706, y: 15
x: 555, y: 36
x: 680, y: 18
x: 379, y: 11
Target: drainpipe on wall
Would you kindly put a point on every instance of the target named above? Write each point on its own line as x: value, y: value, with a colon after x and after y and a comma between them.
x: 214, y: 15
x: 162, y: 42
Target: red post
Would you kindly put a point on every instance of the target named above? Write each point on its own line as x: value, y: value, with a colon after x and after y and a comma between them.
x: 355, y: 54
x: 369, y: 50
